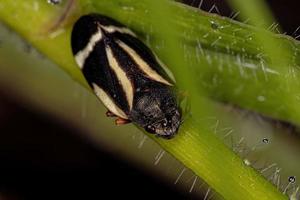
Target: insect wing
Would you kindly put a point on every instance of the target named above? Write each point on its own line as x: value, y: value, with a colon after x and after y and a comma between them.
x: 114, y: 62
x: 89, y: 49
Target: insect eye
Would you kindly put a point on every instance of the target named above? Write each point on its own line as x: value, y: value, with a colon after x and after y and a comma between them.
x: 150, y: 129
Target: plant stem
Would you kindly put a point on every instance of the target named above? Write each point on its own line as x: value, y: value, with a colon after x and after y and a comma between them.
x: 195, y: 146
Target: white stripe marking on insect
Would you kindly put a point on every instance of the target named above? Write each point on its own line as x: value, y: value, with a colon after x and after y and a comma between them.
x: 121, y: 75
x: 142, y: 64
x: 81, y: 56
x: 112, y: 29
x: 108, y: 102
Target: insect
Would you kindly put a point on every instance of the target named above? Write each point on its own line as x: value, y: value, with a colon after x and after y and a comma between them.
x: 126, y: 75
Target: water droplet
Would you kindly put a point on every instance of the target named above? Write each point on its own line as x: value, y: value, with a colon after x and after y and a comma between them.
x: 247, y: 162
x: 214, y: 25
x: 54, y: 2
x: 265, y: 140
x: 128, y: 8
x: 292, y: 179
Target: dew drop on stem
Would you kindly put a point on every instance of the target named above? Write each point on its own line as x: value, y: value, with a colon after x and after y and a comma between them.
x: 292, y: 179
x: 214, y: 25
x: 54, y: 2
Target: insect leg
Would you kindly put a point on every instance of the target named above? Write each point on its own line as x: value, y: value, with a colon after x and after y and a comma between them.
x: 121, y: 121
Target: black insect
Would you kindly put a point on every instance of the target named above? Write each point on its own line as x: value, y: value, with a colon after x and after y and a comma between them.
x: 126, y: 75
